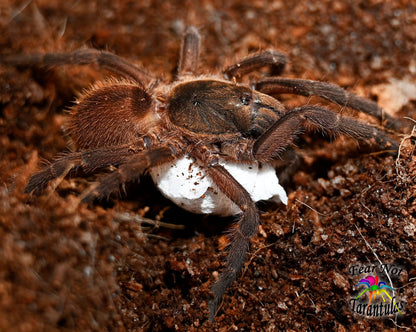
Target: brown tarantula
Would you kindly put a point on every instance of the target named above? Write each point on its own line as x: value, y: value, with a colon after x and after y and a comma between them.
x: 212, y: 125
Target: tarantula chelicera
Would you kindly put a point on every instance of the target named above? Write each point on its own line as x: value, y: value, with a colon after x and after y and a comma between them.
x: 211, y: 144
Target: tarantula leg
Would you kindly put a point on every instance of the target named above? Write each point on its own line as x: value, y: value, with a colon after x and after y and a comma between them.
x: 102, y: 59
x: 189, y: 56
x: 330, y: 92
x: 254, y: 62
x: 282, y: 133
x: 85, y: 161
x: 130, y: 170
x: 240, y: 235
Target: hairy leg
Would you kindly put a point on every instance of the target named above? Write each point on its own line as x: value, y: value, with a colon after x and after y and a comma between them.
x: 255, y: 62
x: 240, y: 235
x: 330, y: 92
x: 281, y: 134
x: 189, y: 56
x: 85, y: 161
x: 128, y: 171
x: 102, y: 59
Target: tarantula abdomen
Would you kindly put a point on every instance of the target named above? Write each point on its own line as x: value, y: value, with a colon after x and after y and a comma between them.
x: 111, y: 113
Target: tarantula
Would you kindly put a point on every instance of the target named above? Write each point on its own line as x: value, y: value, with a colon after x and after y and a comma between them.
x: 216, y: 131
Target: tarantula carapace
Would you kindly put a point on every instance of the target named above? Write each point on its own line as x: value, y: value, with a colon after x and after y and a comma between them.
x: 218, y: 130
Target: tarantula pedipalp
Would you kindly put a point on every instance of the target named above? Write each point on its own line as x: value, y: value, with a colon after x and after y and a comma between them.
x: 217, y: 130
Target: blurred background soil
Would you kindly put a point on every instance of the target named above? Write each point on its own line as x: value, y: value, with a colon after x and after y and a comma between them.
x: 70, y: 266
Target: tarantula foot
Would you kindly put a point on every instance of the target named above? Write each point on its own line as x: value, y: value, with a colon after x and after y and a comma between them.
x: 218, y: 290
x: 37, y: 182
x: 213, y: 306
x: 40, y: 180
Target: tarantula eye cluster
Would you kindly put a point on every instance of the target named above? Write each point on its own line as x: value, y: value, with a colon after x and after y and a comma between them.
x: 214, y: 144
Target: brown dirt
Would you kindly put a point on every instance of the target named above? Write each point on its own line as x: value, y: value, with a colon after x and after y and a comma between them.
x: 65, y: 266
